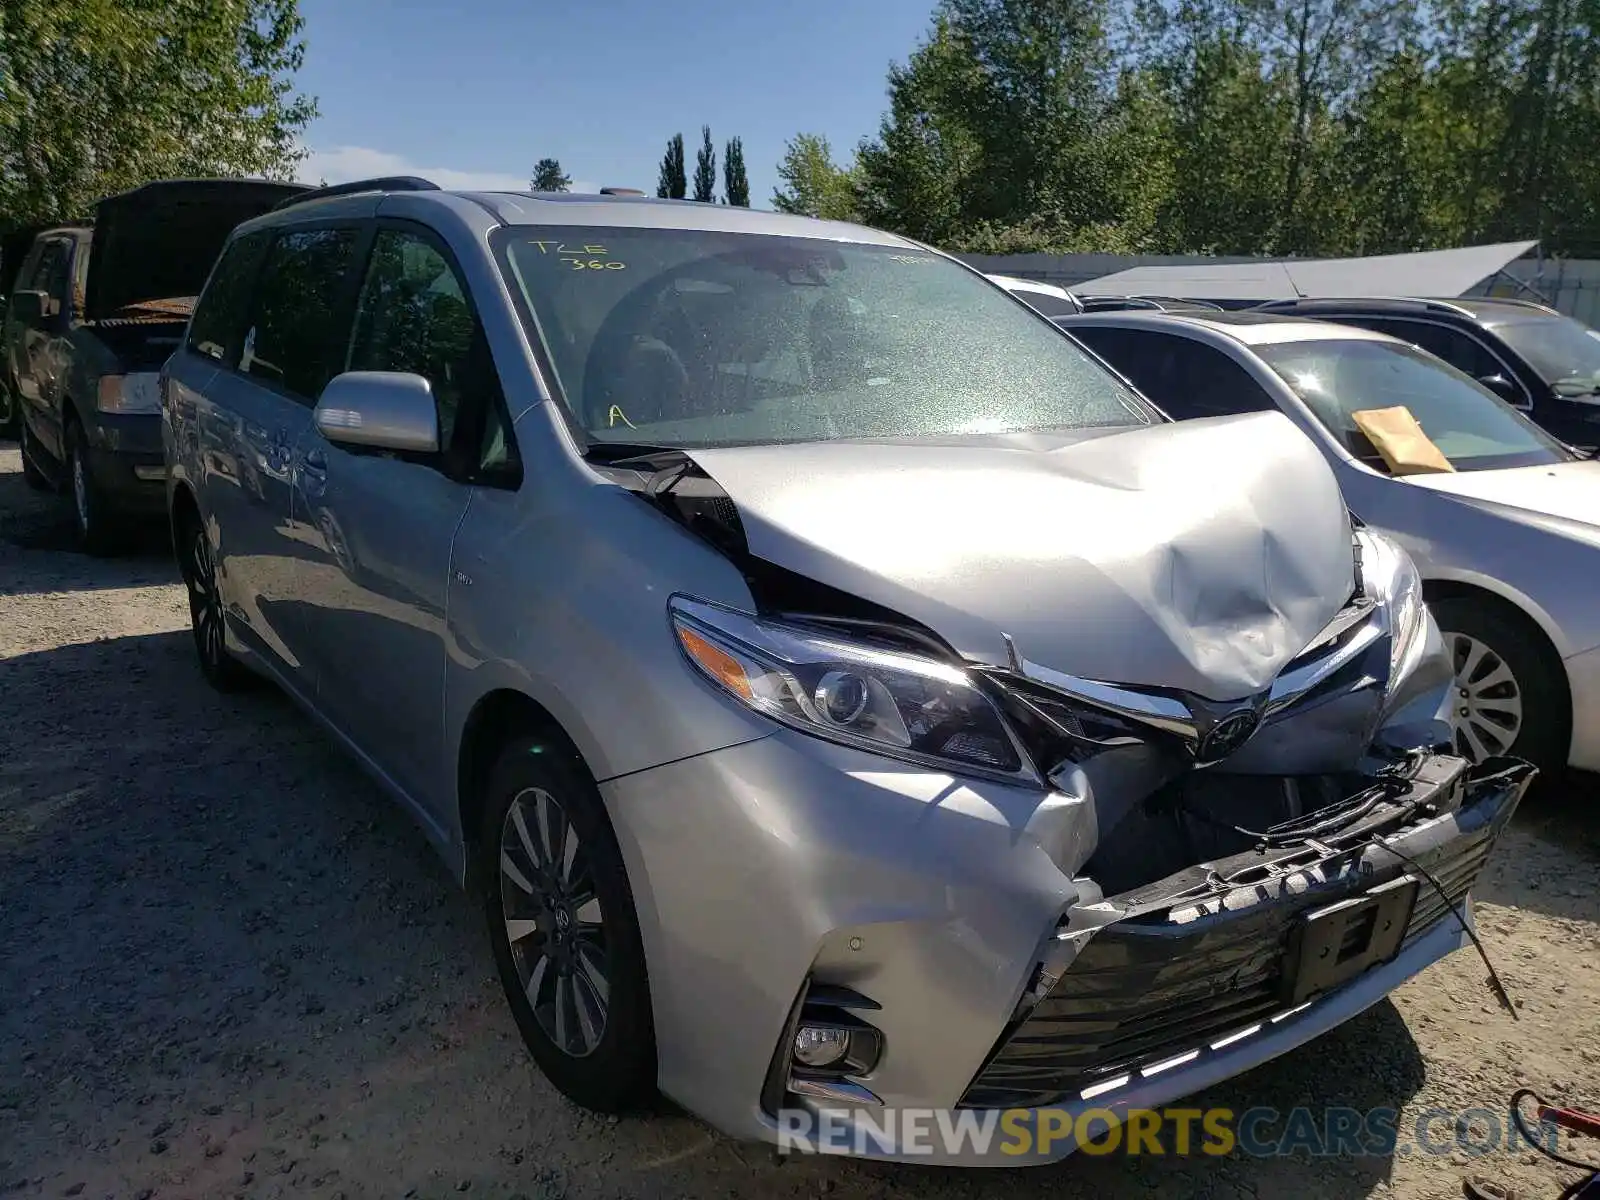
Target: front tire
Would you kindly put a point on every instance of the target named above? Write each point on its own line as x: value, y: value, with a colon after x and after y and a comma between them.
x: 97, y: 533
x: 197, y: 563
x: 31, y: 474
x: 10, y: 412
x: 564, y: 930
x: 1509, y: 695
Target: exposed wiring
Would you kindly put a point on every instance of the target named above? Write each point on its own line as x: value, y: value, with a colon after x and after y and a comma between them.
x: 1567, y: 1118
x: 1466, y: 926
x: 1392, y: 779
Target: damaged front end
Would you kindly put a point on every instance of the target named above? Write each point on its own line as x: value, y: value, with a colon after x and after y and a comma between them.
x: 1188, y: 967
x: 1236, y: 862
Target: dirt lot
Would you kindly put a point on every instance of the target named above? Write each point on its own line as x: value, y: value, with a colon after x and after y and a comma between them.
x: 229, y: 968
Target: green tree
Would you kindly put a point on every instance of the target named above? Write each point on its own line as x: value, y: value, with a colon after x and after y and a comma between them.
x: 549, y: 177
x: 919, y: 175
x: 98, y: 97
x: 813, y: 185
x: 999, y: 117
x: 673, y: 182
x: 735, y: 183
x: 705, y: 169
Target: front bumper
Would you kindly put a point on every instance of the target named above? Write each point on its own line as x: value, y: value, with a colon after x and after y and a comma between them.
x: 763, y: 866
x: 127, y: 460
x: 1583, y: 679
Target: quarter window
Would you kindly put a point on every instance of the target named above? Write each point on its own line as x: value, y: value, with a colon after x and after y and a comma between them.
x: 292, y: 337
x: 414, y: 316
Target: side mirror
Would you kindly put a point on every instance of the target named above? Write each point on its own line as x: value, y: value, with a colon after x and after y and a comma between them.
x: 379, y: 410
x: 30, y: 307
x: 1504, y: 388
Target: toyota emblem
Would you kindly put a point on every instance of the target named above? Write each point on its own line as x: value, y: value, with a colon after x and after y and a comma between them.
x: 1227, y: 736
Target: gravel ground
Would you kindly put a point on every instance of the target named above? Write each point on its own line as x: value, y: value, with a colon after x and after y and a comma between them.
x: 228, y: 967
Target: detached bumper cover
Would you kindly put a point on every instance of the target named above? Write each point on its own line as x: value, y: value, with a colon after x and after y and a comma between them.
x: 1186, y: 965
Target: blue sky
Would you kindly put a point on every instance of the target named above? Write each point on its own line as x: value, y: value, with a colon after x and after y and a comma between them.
x: 472, y: 95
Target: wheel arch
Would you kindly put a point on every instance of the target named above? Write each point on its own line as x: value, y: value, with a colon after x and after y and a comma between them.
x: 497, y: 717
x: 1434, y: 590
x: 182, y: 505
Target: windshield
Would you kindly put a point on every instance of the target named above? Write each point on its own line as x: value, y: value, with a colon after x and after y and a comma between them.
x: 687, y: 338
x: 1471, y: 426
x: 1566, y: 353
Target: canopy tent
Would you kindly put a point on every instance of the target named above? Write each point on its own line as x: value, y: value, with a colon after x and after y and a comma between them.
x: 1426, y: 273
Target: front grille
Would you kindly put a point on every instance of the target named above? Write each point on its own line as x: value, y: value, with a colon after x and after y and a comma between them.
x: 1145, y: 990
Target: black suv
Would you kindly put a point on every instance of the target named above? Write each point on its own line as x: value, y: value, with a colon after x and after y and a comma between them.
x: 94, y: 312
x: 1544, y: 363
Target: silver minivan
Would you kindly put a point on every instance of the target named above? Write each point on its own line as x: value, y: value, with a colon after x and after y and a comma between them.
x: 841, y: 693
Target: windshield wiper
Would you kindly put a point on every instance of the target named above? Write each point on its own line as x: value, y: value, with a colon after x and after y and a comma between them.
x: 615, y: 452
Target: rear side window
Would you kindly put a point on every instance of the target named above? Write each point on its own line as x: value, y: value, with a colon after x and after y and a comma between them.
x: 294, y: 338
x: 1461, y: 350
x: 1185, y: 377
x: 224, y: 307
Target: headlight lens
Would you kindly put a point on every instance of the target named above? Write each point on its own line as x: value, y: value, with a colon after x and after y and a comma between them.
x: 140, y: 393
x: 824, y: 684
x: 1391, y: 578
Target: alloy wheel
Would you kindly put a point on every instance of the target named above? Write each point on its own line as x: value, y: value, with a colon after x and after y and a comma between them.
x: 1486, y: 700
x: 205, y: 601
x: 553, y: 922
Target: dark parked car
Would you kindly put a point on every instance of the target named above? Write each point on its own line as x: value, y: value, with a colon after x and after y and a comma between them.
x: 14, y: 247
x: 95, y: 312
x: 1531, y: 356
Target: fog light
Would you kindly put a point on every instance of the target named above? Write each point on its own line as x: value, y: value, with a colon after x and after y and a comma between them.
x: 816, y: 1046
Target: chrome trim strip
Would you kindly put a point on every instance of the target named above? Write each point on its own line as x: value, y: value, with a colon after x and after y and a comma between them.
x: 1297, y: 681
x: 1172, y: 715
x: 1161, y: 712
x: 832, y: 1089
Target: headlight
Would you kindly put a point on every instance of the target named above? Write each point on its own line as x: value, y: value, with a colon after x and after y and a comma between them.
x: 825, y: 684
x: 139, y: 393
x: 1390, y: 577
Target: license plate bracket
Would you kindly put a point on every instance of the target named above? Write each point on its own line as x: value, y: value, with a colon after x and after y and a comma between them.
x: 1333, y: 944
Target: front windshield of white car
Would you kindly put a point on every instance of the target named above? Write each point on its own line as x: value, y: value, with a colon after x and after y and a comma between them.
x: 687, y: 338
x: 1471, y: 426
x: 1566, y: 353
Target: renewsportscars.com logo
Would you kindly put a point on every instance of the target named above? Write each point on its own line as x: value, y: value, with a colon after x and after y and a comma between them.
x: 1022, y: 1134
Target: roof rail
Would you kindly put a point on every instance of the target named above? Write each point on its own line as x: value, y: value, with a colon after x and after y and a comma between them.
x: 1436, y: 304
x: 1519, y: 302
x: 386, y: 183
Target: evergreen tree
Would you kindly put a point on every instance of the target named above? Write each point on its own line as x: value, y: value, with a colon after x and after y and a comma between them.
x: 673, y: 183
x: 549, y: 177
x: 735, y: 184
x: 705, y: 169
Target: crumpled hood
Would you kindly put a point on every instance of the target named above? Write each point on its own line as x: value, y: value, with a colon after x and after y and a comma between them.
x: 1201, y: 555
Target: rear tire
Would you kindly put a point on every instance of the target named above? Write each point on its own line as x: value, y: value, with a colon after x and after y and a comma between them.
x: 1510, y: 696
x: 97, y: 529
x: 561, y: 919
